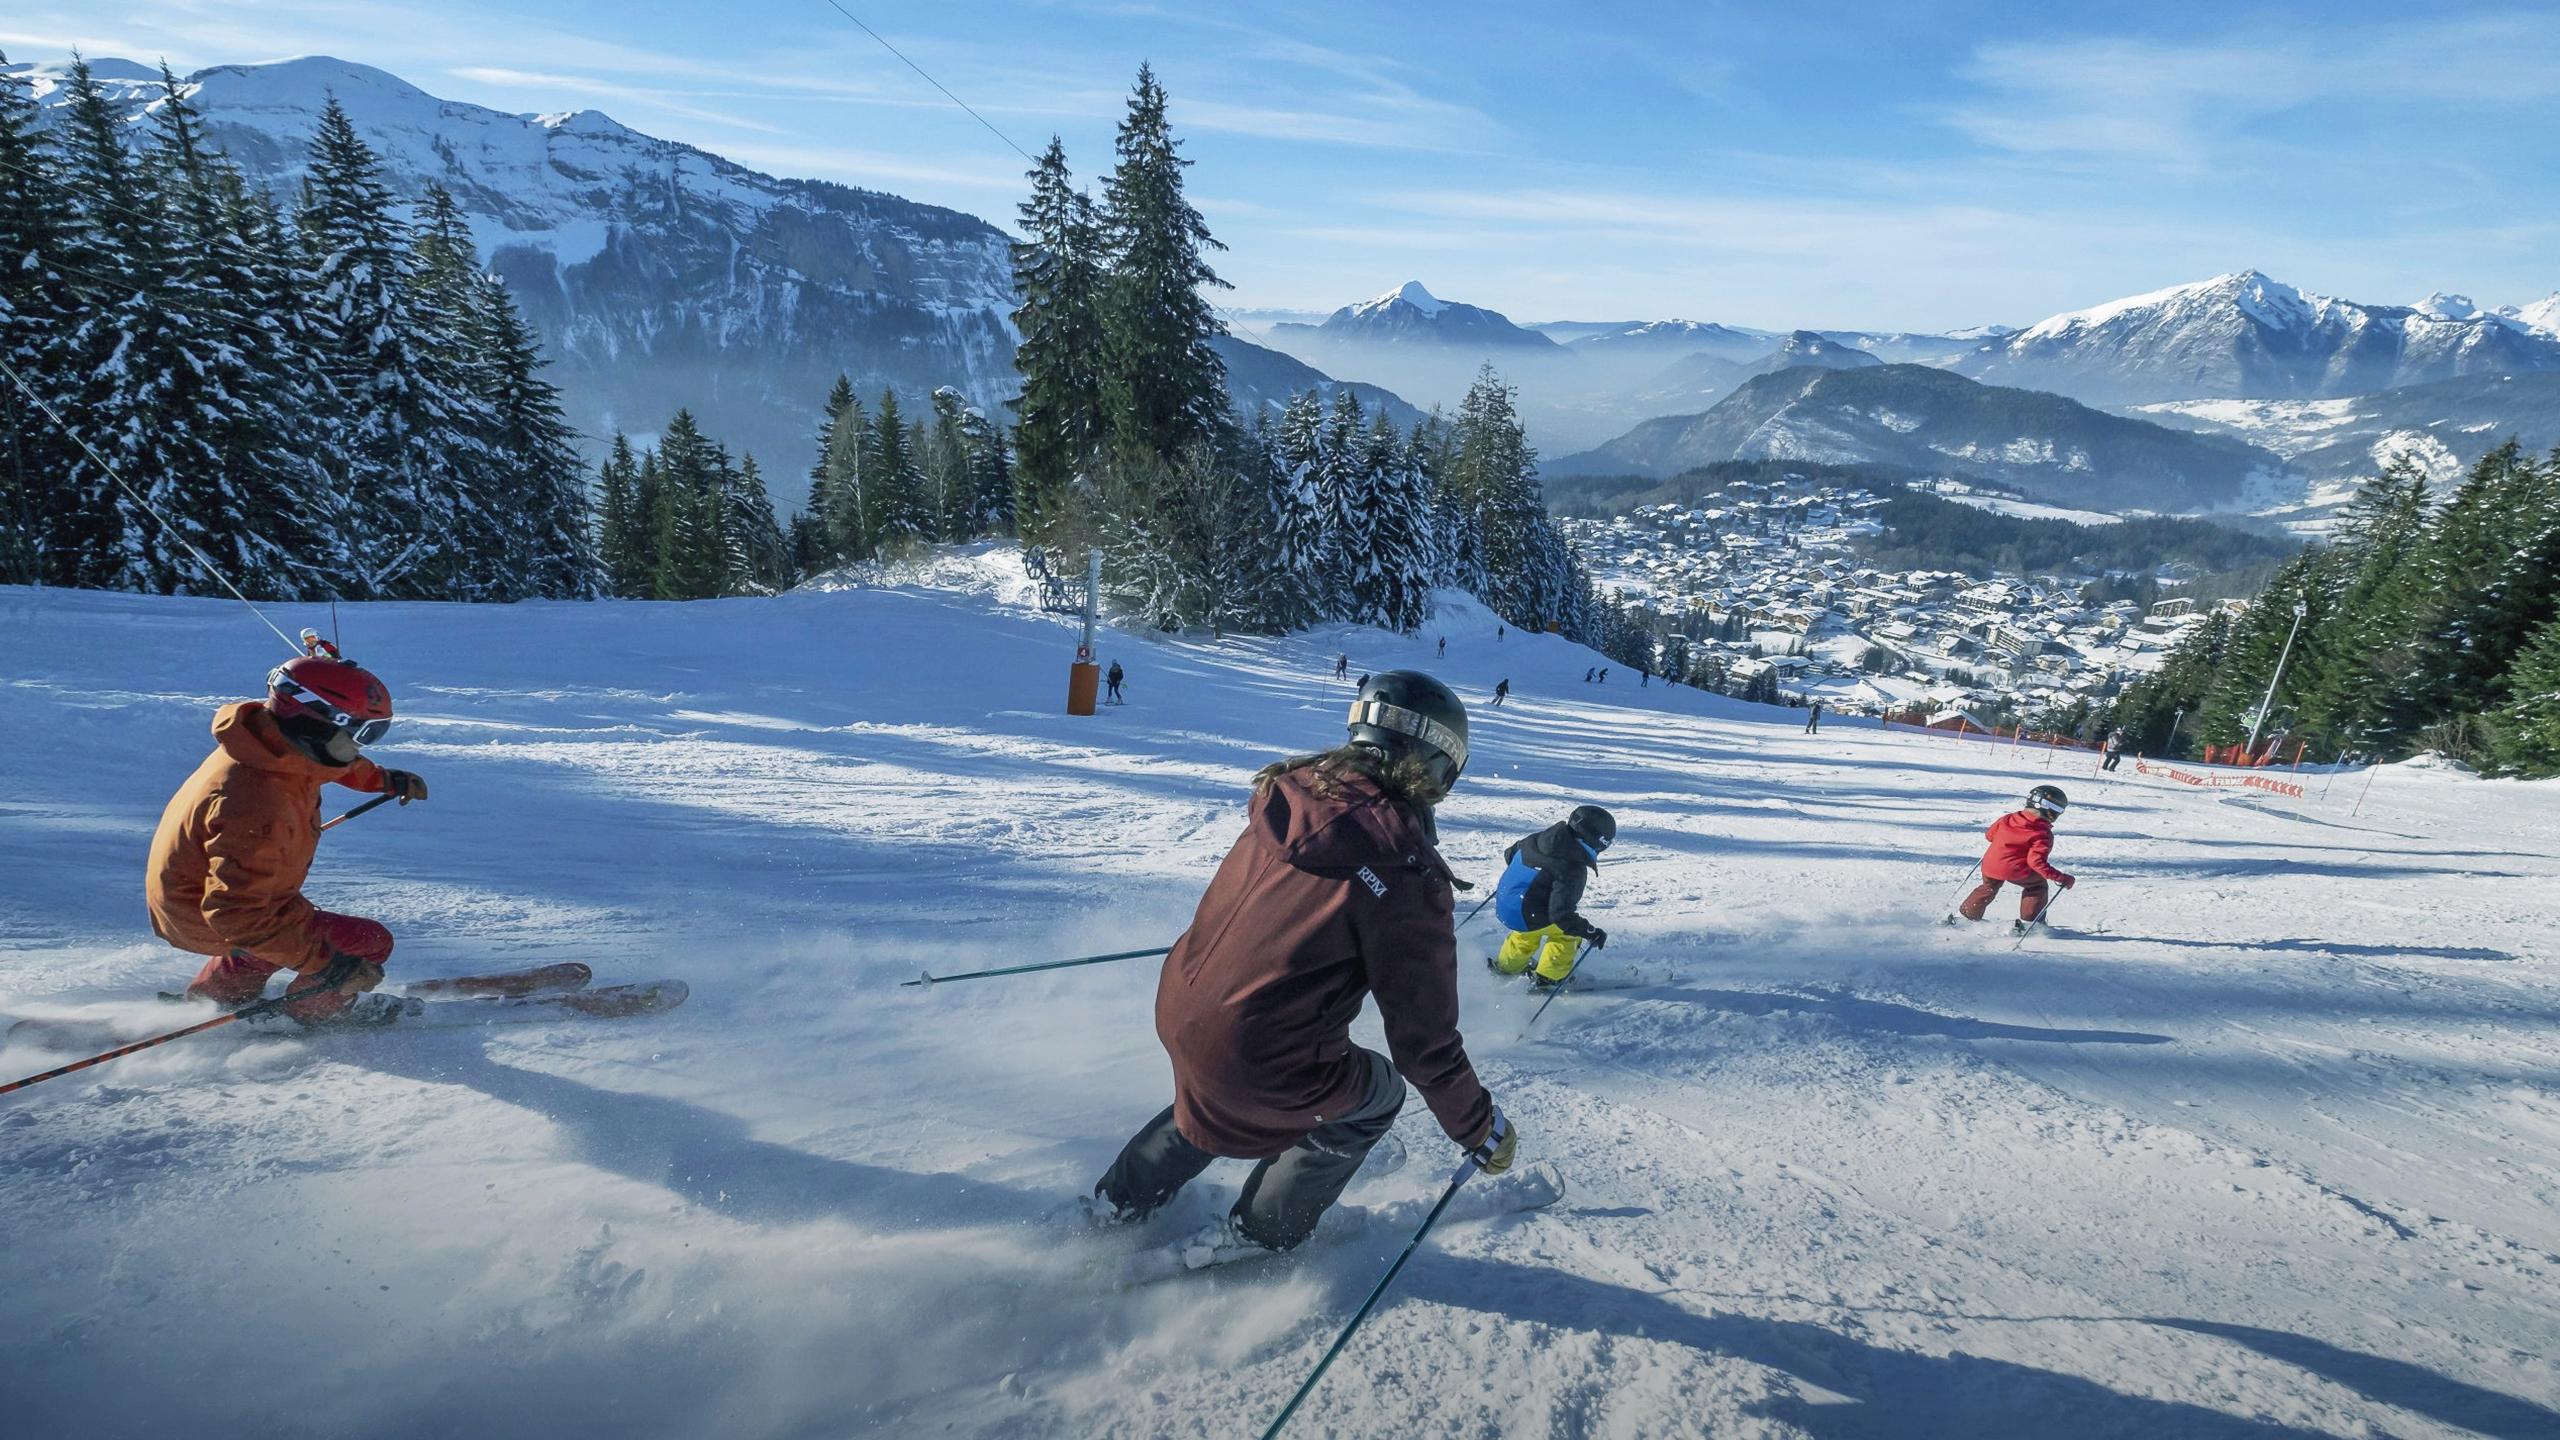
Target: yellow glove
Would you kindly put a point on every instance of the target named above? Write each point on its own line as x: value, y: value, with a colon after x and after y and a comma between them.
x: 1501, y: 1144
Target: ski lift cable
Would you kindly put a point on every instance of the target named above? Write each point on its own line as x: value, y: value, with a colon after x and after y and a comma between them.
x: 153, y: 510
x: 936, y: 84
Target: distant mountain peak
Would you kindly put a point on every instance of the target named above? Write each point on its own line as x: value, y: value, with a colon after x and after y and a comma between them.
x: 2444, y: 305
x: 1409, y: 293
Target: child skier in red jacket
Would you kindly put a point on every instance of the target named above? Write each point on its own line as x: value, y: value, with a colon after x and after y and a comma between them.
x: 2020, y: 841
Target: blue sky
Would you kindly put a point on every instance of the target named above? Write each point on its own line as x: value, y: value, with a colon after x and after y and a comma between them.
x: 1882, y: 165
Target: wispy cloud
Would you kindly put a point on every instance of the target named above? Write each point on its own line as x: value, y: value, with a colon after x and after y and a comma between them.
x: 2184, y: 104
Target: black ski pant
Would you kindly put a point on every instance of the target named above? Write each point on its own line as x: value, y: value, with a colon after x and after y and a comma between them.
x: 2114, y: 758
x: 1285, y: 1195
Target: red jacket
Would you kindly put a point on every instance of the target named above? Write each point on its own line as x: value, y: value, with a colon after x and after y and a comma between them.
x: 1322, y: 904
x: 2020, y: 841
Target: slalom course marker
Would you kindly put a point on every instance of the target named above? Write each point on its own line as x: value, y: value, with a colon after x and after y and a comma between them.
x: 930, y: 979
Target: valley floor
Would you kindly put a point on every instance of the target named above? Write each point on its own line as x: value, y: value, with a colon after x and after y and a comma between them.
x: 2268, y: 1144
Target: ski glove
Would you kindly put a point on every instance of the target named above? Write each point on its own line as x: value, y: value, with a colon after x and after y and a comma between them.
x: 1598, y: 939
x: 1493, y: 1156
x: 404, y: 784
x: 2064, y: 882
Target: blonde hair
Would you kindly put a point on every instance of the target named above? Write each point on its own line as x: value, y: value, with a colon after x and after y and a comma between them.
x: 1406, y: 778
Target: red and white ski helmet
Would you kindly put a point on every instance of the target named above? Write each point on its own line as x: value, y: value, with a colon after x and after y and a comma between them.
x: 335, y: 692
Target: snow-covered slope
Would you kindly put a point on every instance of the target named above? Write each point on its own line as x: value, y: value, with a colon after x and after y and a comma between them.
x: 2334, y: 444
x: 2265, y: 1155
x: 2247, y: 336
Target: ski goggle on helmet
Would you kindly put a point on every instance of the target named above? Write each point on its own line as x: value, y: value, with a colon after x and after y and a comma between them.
x: 325, y: 688
x: 2048, y: 799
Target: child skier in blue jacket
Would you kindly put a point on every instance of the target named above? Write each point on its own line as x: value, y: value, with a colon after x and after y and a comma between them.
x: 1541, y: 891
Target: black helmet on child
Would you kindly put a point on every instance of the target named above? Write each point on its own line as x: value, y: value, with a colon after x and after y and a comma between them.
x: 1405, y: 712
x: 1593, y: 826
x: 2049, y: 799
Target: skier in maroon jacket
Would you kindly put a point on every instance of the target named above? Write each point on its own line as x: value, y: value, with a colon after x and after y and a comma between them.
x: 1336, y: 893
x: 2020, y: 843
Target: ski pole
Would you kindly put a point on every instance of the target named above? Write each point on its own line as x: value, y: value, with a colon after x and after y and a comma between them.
x: 1474, y: 1162
x: 1472, y: 914
x: 1967, y: 880
x: 2043, y: 911
x: 931, y: 979
x: 337, y: 972
x: 375, y: 803
x: 1555, y: 990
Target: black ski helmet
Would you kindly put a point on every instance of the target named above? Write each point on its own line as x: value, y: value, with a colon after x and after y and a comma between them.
x: 2049, y: 799
x: 1407, y: 712
x: 1593, y: 826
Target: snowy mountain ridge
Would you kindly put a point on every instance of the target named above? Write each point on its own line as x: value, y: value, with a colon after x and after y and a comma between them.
x: 2247, y: 335
x: 1411, y: 315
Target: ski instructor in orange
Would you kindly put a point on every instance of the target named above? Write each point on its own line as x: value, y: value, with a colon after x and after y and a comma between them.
x: 228, y: 861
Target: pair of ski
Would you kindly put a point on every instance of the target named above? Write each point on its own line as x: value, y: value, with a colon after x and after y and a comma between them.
x: 1615, y: 977
x: 541, y: 992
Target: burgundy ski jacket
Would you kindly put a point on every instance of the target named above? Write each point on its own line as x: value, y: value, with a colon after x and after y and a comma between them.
x: 1321, y: 904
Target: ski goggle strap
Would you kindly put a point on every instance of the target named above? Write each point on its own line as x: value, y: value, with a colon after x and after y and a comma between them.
x: 363, y: 732
x: 1371, y: 710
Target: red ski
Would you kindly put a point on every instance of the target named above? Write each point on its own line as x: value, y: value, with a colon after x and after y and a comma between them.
x: 567, y: 975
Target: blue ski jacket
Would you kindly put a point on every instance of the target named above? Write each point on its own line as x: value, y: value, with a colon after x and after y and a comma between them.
x: 1542, y: 886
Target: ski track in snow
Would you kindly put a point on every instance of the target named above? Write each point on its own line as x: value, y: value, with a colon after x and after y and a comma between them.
x: 2275, y: 1153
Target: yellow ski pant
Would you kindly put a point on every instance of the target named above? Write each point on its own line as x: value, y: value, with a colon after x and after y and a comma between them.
x: 1551, y: 948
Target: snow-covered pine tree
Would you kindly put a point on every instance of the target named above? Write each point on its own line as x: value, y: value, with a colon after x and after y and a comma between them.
x: 121, y: 349
x: 1164, y: 386
x: 950, y: 491
x: 1058, y: 272
x: 690, y: 560
x: 990, y: 478
x: 40, y: 305
x: 1456, y: 543
x: 1400, y: 528
x: 1346, y: 496
x: 1304, y: 588
x: 843, y: 466
x: 2525, y: 730
x: 224, y: 471
x: 758, y: 558
x: 811, y: 547
x: 623, y: 539
x: 405, y: 431
x: 892, y: 485
x: 540, y: 484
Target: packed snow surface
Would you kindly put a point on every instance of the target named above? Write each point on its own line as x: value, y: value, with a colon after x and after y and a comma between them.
x: 2266, y: 1145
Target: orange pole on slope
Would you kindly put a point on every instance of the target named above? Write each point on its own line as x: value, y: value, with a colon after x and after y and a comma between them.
x: 1084, y: 677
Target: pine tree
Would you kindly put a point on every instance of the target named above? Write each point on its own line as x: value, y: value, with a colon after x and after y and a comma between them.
x: 950, y: 487
x: 891, y: 495
x: 1400, y: 528
x: 623, y: 539
x: 1300, y: 591
x: 1346, y: 499
x: 539, y: 491
x: 1058, y: 271
x: 118, y: 348
x: 758, y: 560
x: 692, y: 561
x: 2342, y: 685
x: 2525, y: 730
x: 1164, y: 387
x: 990, y: 478
x: 403, y: 434
x: 843, y: 461
x: 39, y: 306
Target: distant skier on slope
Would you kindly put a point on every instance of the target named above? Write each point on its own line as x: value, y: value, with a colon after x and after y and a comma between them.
x: 1540, y: 895
x: 228, y: 860
x: 1501, y: 691
x: 1342, y: 666
x: 1813, y: 719
x: 2020, y: 841
x: 2117, y: 740
x: 1113, y: 679
x: 1335, y: 893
